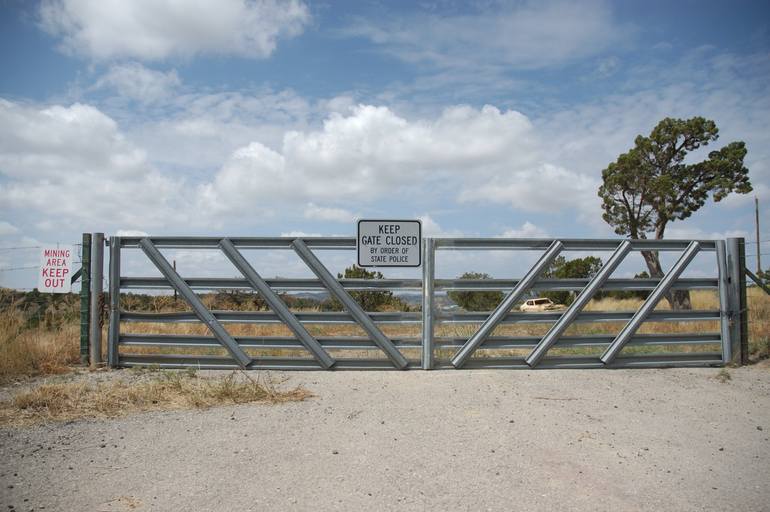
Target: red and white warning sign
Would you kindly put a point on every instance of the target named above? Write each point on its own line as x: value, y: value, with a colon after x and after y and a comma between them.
x: 55, y: 269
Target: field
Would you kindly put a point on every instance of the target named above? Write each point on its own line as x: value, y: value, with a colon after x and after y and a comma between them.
x: 50, y: 345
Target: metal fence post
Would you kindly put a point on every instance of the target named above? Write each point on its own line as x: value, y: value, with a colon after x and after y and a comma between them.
x: 97, y: 262
x: 724, y: 301
x: 113, y: 335
x: 736, y: 264
x: 428, y: 275
x: 743, y: 312
x: 85, y: 296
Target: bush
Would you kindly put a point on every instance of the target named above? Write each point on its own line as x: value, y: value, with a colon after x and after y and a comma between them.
x: 476, y: 301
x: 369, y: 301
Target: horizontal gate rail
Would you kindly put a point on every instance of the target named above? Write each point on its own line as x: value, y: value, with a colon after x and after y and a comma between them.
x: 569, y: 244
x: 454, y: 243
x: 269, y: 363
x: 263, y: 363
x: 330, y: 342
x: 213, y: 283
x: 271, y: 318
x: 655, y: 360
x: 402, y: 318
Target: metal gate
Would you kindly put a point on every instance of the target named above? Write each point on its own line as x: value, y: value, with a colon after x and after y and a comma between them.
x: 432, y: 338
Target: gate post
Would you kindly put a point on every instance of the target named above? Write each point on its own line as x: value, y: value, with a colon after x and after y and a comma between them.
x: 97, y: 262
x: 85, y: 296
x: 428, y: 275
x: 736, y: 276
x: 725, y: 313
x: 113, y: 334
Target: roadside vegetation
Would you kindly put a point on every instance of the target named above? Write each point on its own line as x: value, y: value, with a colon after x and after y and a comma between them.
x: 140, y: 391
x: 39, y: 339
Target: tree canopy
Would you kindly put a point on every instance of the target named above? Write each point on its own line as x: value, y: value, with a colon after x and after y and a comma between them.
x: 476, y: 301
x: 654, y: 184
x: 368, y: 300
x: 562, y: 268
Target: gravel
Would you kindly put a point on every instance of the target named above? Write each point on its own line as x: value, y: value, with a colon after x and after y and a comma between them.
x: 675, y: 439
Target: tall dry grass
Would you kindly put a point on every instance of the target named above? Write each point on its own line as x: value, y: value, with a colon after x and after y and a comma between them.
x: 27, y: 351
x: 40, y: 349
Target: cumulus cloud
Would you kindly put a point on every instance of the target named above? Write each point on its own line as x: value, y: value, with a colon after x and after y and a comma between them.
x: 64, y: 164
x: 201, y: 130
x: 476, y: 154
x: 545, y: 188
x: 134, y: 81
x: 158, y: 29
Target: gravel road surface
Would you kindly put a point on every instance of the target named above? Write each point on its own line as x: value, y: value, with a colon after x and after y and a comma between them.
x: 674, y: 439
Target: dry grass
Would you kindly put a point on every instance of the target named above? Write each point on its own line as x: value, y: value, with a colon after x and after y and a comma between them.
x: 168, y: 390
x: 27, y: 352
x: 30, y: 351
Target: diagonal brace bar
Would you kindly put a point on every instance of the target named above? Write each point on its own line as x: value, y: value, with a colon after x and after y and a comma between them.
x: 643, y: 312
x: 470, y: 346
x: 758, y: 281
x: 557, y: 329
x: 276, y: 304
x: 201, y: 311
x: 352, y: 307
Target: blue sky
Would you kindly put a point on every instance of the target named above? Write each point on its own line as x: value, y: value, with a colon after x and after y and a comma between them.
x: 269, y: 118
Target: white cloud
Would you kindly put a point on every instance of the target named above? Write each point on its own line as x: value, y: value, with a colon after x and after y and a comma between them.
x: 300, y: 234
x: 6, y: 228
x: 321, y: 213
x: 130, y: 232
x: 158, y: 29
x: 546, y: 188
x: 201, y: 130
x: 525, y: 35
x: 527, y: 230
x: 373, y: 152
x: 431, y: 228
x: 139, y: 83
x: 65, y: 164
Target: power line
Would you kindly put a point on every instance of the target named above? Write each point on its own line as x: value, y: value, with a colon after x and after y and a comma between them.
x: 17, y: 268
x: 20, y: 248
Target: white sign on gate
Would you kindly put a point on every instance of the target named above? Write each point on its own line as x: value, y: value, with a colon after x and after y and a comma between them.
x: 55, y: 269
x: 389, y: 243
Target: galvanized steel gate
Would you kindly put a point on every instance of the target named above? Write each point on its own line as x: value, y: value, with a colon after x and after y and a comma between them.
x: 430, y: 348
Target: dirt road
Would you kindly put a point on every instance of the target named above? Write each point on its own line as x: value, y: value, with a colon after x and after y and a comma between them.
x: 478, y: 440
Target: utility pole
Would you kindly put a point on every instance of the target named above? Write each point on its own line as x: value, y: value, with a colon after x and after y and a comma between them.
x: 759, y: 256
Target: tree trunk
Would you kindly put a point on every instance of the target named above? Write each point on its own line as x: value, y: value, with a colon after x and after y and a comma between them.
x: 678, y: 299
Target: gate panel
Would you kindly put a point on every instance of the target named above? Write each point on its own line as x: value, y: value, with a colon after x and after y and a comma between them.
x: 623, y: 348
x: 184, y: 350
x: 494, y: 341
